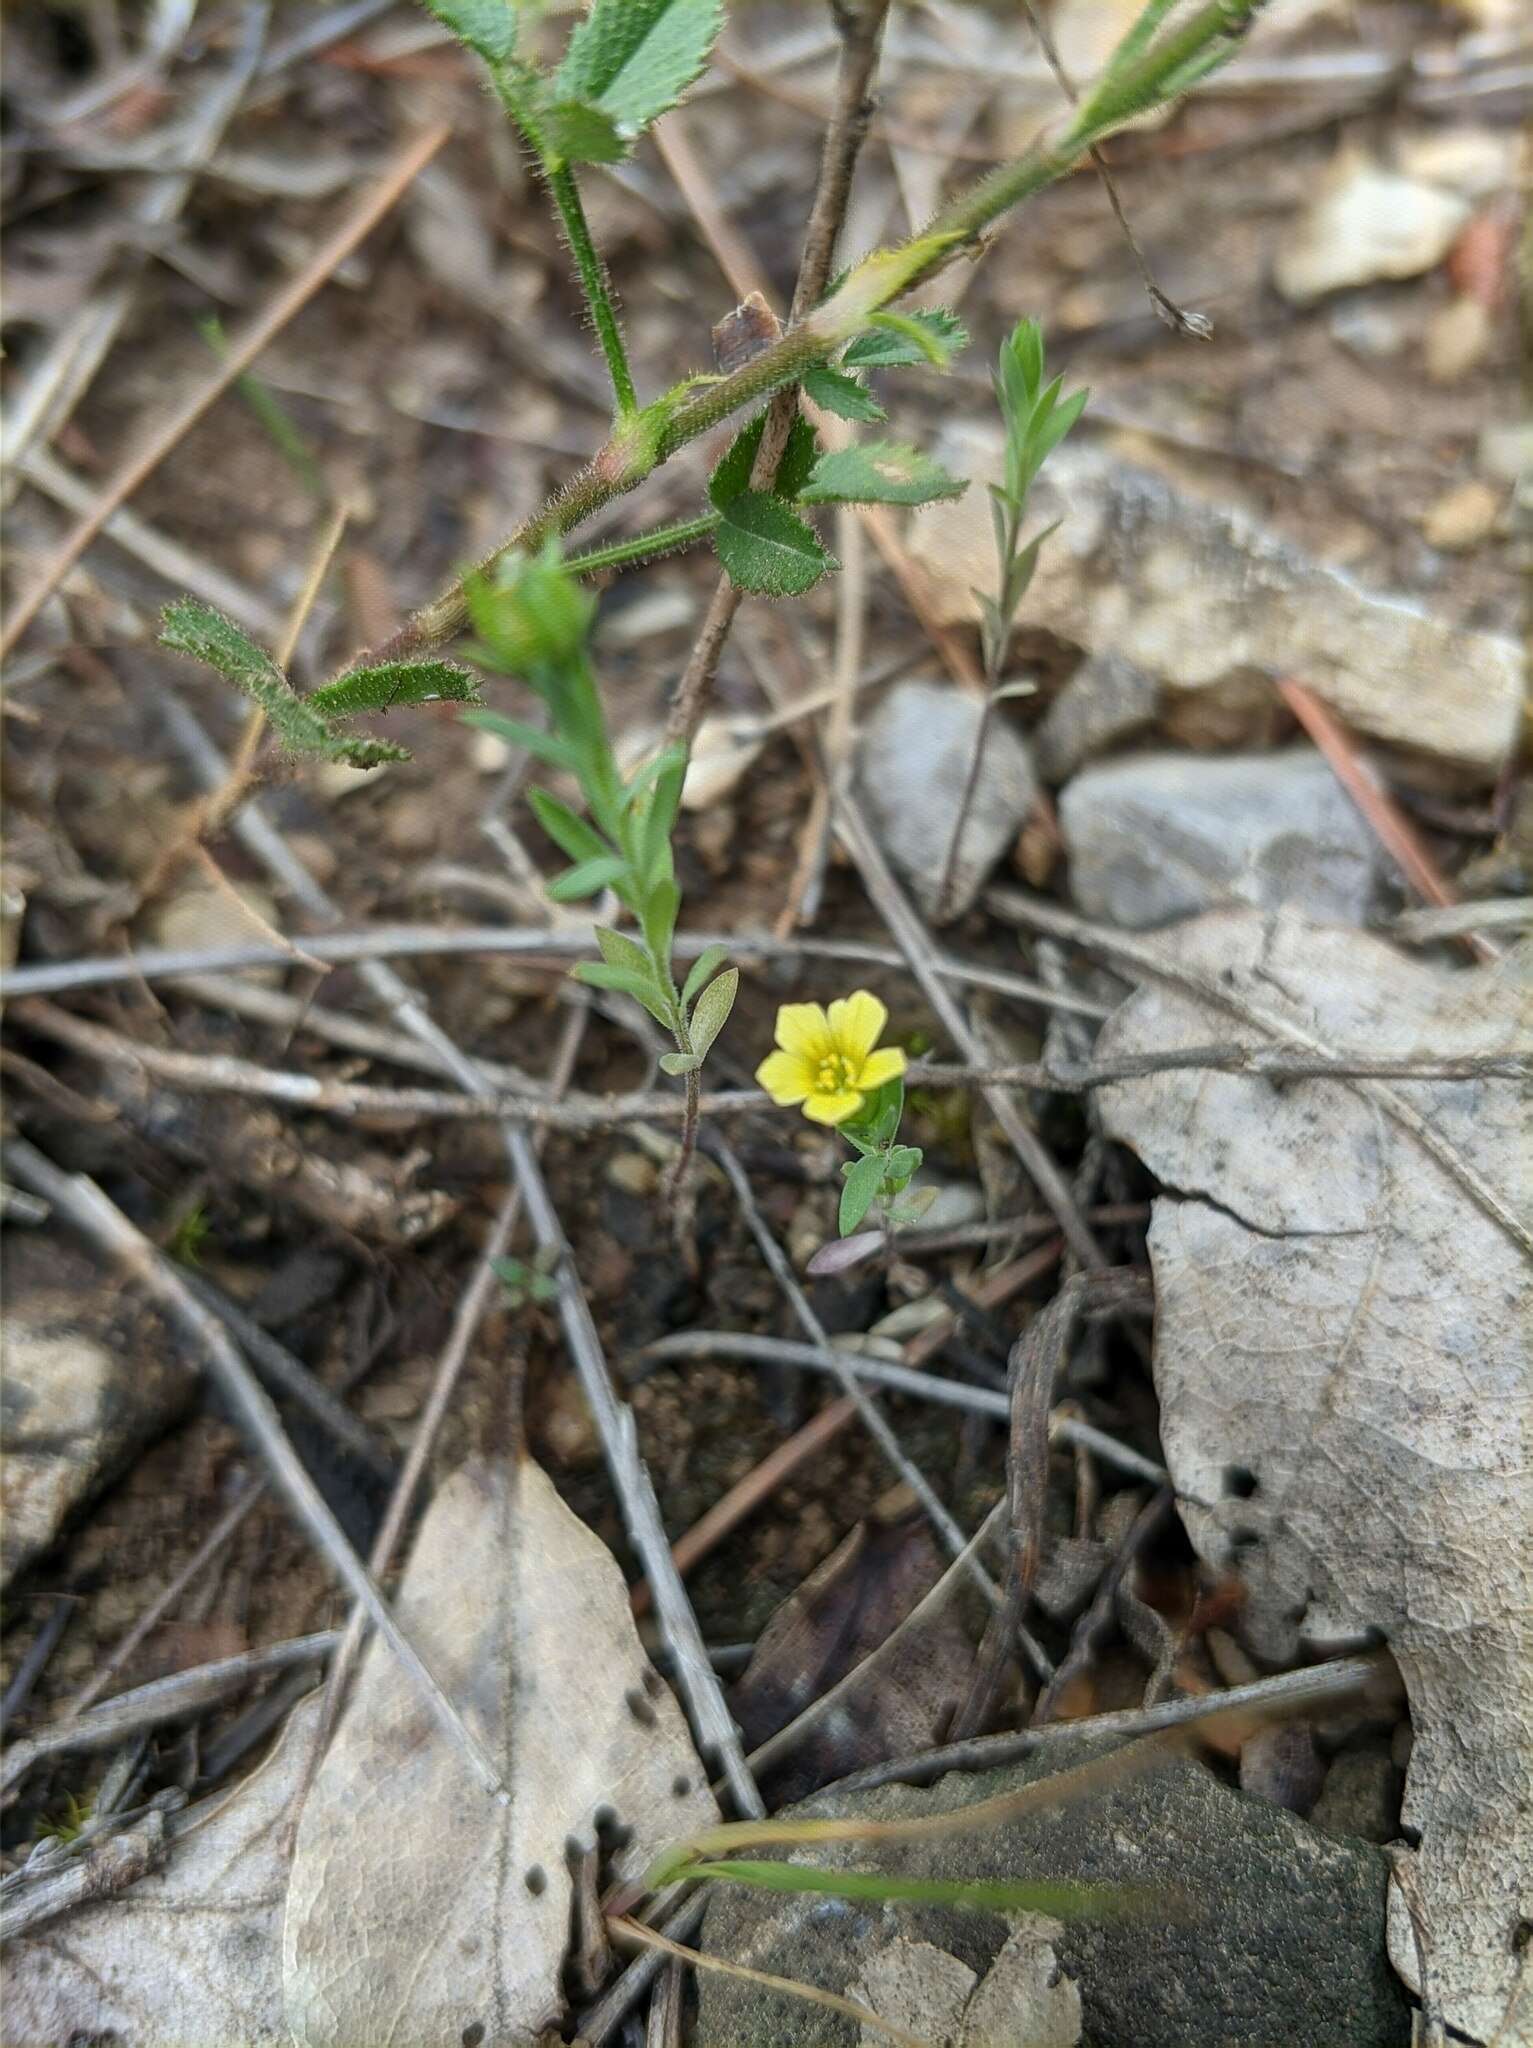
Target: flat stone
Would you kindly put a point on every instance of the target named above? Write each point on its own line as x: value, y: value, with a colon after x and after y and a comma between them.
x: 1200, y: 595
x: 1157, y: 837
x: 1256, y: 1929
x: 912, y: 766
x: 88, y: 1380
x: 1361, y: 1796
x: 1363, y: 224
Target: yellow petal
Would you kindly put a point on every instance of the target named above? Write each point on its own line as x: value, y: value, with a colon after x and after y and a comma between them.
x: 833, y: 1109
x: 884, y: 1065
x: 802, y: 1029
x: 786, y: 1077
x: 855, y: 1023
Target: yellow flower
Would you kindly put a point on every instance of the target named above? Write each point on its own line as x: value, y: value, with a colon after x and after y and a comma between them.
x: 827, y: 1061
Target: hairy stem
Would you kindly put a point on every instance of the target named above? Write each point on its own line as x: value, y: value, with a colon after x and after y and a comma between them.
x: 651, y: 437
x: 643, y: 547
x: 596, y: 287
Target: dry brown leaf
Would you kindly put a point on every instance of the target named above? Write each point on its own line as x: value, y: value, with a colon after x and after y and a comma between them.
x: 1343, y: 1355
x: 189, y: 1955
x: 419, y: 1908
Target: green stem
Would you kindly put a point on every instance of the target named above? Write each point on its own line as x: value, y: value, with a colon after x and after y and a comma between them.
x: 643, y: 547
x: 595, y: 286
x: 648, y: 438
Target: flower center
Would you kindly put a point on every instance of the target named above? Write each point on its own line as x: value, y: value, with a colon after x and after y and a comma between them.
x: 835, y: 1074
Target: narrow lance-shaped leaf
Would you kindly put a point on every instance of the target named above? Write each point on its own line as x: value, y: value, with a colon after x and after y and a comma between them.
x: 588, y: 878
x: 620, y: 951
x: 863, y: 1177
x: 712, y: 1011
x: 193, y: 628
x: 571, y: 834
x: 598, y: 974
x: 706, y: 963
x: 879, y: 473
x: 395, y: 682
x: 768, y: 549
x: 531, y: 739
x: 635, y: 58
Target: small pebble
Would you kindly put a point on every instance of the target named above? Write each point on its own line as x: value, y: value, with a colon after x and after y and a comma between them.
x: 633, y: 1173
x: 489, y: 753
x: 1462, y: 518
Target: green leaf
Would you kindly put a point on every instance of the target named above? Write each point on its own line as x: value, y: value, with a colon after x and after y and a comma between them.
x: 193, y: 628
x: 660, y: 810
x: 620, y: 951
x: 942, y: 335
x: 862, y: 1185
x: 847, y: 397
x: 597, y: 974
x: 571, y: 834
x: 395, y: 682
x: 543, y: 746
x: 650, y: 773
x: 488, y: 26
x: 533, y: 618
x: 588, y: 878
x: 731, y: 479
x: 904, y: 1160
x: 712, y: 1012
x: 704, y: 965
x: 987, y: 1895
x: 879, y: 473
x: 635, y: 58
x: 658, y: 917
x: 769, y: 549
x: 580, y: 134
x: 363, y: 753
x: 680, y: 1062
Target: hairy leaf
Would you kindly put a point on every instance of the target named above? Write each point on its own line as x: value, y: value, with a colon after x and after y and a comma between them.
x: 571, y: 834
x: 680, y: 1062
x: 588, y: 878
x: 879, y: 473
x: 767, y: 548
x: 395, y: 682
x: 635, y: 58
x: 365, y: 753
x: 487, y: 26
x: 581, y: 134
x: 597, y: 974
x: 620, y: 951
x: 847, y: 397
x: 190, y: 627
x: 704, y: 965
x: 712, y: 1011
x: 863, y: 1177
x: 885, y: 347
x: 731, y: 479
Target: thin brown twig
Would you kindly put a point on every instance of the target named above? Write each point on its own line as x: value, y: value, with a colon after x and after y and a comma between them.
x: 868, y: 1413
x: 1100, y: 1615
x: 472, y: 1307
x: 761, y: 1482
x: 861, y: 27
x: 1389, y: 824
x: 81, y: 1203
x: 159, y: 442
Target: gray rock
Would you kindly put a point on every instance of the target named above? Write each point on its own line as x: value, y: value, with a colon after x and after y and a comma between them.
x: 1361, y: 1796
x: 1107, y: 700
x: 911, y: 768
x: 1199, y: 593
x: 1257, y: 1929
x: 1156, y: 837
x: 88, y: 1379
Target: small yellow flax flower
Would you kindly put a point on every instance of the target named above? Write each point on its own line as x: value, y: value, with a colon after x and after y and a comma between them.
x: 825, y: 1059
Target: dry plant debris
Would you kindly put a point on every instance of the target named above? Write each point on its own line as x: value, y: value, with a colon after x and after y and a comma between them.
x: 418, y: 1909
x: 1343, y: 1346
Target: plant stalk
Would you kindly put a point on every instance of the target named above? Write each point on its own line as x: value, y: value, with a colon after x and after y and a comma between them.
x: 651, y: 436
x: 595, y: 285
